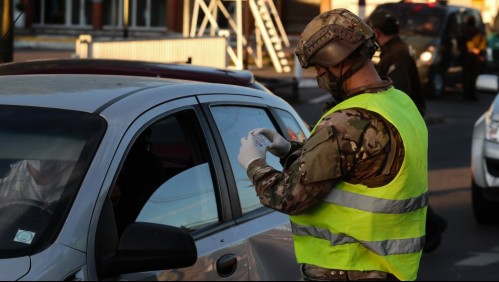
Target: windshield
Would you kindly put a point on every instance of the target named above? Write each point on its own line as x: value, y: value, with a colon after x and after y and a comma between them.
x: 44, y: 155
x: 418, y: 19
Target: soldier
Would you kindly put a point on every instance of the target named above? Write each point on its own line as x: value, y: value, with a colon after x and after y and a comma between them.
x: 356, y: 190
x: 396, y: 62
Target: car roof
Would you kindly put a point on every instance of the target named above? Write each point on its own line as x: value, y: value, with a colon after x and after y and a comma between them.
x: 129, y: 67
x: 94, y: 93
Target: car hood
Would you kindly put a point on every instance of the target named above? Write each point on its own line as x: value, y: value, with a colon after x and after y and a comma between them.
x: 419, y: 43
x: 15, y: 268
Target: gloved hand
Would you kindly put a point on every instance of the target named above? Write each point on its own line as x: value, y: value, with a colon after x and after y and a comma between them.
x: 249, y: 151
x: 279, y: 146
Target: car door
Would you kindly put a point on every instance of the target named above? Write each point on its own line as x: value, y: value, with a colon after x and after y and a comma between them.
x: 257, y: 245
x: 164, y: 172
x: 267, y: 233
x: 177, y: 171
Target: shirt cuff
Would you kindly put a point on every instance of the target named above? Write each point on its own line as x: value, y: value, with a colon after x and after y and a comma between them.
x: 254, y: 166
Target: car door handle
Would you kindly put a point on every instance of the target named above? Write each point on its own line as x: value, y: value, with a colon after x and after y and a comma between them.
x: 226, y: 265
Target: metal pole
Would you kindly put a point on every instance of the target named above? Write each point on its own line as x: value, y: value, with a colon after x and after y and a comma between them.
x: 113, y: 15
x: 125, y: 18
x: 186, y: 18
x: 6, y: 33
x: 362, y: 9
x: 239, y: 32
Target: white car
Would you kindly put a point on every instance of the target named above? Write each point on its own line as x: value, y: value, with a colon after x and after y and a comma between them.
x: 485, y: 156
x: 108, y: 177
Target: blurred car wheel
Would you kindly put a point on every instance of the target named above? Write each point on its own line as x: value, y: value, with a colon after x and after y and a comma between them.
x: 484, y: 211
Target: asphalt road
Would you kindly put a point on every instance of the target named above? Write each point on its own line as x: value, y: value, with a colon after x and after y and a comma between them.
x: 469, y: 251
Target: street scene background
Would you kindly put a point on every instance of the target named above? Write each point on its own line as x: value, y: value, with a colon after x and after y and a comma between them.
x: 469, y: 251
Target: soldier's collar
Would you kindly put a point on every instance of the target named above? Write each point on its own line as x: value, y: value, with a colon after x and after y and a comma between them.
x: 375, y: 87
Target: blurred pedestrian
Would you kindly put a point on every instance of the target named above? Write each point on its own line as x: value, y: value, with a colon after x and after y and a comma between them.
x: 356, y: 190
x: 476, y: 44
x: 397, y: 62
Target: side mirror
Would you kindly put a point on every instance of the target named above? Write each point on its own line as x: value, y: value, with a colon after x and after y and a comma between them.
x: 149, y: 247
x: 487, y: 83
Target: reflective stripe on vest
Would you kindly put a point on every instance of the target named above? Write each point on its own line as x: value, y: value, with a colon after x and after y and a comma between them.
x: 376, y: 205
x: 382, y: 248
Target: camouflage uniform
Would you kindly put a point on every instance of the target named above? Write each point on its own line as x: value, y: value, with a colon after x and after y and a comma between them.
x: 357, y: 150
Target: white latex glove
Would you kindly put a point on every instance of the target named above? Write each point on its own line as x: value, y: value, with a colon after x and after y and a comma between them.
x: 279, y: 146
x: 249, y: 151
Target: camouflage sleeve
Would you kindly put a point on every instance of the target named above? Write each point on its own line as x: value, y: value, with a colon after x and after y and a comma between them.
x: 329, y: 155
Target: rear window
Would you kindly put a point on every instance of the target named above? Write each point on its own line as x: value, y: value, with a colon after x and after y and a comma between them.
x: 418, y: 19
x: 44, y: 155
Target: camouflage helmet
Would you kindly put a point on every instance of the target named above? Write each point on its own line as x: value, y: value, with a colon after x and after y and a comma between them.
x: 331, y: 37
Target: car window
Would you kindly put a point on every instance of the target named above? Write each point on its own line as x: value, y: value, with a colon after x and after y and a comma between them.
x: 44, y: 155
x: 293, y: 129
x: 192, y: 206
x: 166, y: 177
x: 234, y: 123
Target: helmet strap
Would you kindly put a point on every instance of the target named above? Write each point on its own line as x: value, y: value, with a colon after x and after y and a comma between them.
x: 335, y: 84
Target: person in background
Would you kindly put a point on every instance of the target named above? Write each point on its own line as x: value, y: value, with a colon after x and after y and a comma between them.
x: 397, y: 62
x: 476, y: 44
x: 356, y: 190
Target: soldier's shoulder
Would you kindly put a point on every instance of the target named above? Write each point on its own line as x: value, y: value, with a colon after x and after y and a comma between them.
x: 347, y: 119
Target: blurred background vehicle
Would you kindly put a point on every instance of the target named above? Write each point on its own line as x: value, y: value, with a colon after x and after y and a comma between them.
x: 493, y: 47
x: 493, y: 52
x: 485, y: 156
x: 435, y: 33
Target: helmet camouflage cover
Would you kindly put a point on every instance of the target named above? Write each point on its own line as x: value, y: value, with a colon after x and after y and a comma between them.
x: 331, y: 37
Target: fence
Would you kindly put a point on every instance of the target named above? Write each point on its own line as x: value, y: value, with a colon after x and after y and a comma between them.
x: 209, y: 51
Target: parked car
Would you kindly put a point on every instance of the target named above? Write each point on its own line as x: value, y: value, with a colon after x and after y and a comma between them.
x: 485, y: 156
x: 434, y: 31
x: 112, y: 177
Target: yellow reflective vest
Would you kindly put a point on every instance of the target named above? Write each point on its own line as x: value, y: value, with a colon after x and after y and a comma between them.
x: 382, y: 228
